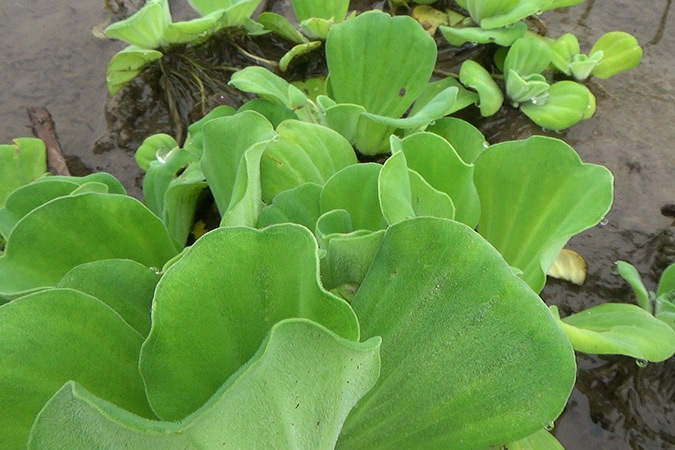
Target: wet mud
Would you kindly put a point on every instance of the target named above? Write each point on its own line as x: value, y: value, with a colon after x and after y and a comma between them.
x: 52, y: 58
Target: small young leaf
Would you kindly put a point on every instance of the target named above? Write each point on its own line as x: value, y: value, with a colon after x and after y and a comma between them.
x: 490, y: 95
x: 280, y: 25
x: 126, y: 65
x: 564, y: 104
x: 629, y: 273
x: 621, y: 52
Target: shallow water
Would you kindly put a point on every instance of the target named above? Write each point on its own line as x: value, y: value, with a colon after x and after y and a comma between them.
x: 51, y: 58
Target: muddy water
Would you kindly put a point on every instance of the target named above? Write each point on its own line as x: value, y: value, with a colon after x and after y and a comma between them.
x: 633, y: 135
x: 50, y: 57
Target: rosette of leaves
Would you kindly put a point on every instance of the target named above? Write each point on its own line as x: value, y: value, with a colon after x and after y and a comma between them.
x: 265, y: 357
x: 371, y: 83
x: 555, y: 106
x: 150, y: 32
x: 613, y: 53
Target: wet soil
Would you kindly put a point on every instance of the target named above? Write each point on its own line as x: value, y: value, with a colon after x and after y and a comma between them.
x: 51, y: 58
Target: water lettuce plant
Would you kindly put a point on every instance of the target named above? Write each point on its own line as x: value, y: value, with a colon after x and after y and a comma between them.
x: 335, y: 303
x: 150, y: 32
x: 527, y: 59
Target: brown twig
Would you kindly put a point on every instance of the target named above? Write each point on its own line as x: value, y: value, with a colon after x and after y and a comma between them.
x: 44, y: 128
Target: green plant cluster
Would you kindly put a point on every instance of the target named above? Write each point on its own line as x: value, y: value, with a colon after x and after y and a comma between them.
x: 529, y: 64
x: 338, y: 304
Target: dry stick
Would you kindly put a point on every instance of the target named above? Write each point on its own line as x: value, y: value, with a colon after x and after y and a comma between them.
x: 43, y: 128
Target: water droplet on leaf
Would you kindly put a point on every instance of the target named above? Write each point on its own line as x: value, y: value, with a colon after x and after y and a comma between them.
x: 641, y: 363
x: 604, y: 222
x: 549, y: 426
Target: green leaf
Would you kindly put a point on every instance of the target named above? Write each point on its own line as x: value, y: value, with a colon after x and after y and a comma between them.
x: 20, y: 163
x: 181, y: 201
x: 344, y: 118
x: 535, y: 194
x: 235, y: 12
x: 499, y: 13
x: 74, y: 230
x: 476, y: 77
x: 360, y: 56
x: 280, y: 25
x: 404, y: 194
x: 465, y: 97
x: 317, y: 28
x: 145, y: 28
x: 521, y: 89
x: 563, y: 50
x: 540, y: 440
x: 265, y: 84
x: 582, y: 65
x: 58, y: 335
x: 527, y: 57
x: 665, y: 311
x: 472, y: 355
x: 621, y: 51
x: 295, y: 392
x: 436, y: 108
x: 273, y: 112
x: 555, y: 4
x: 154, y: 148
x: 126, y: 65
x: 629, y: 273
x: 131, y: 299
x: 194, y: 141
x: 161, y: 172
x: 349, y: 253
x: 26, y: 198
x: 198, y: 29
x: 200, y: 337
x: 564, y: 104
x: 226, y: 141
x: 312, y: 87
x: 667, y: 281
x: 298, y: 50
x: 303, y: 153
x: 327, y: 9
x: 465, y: 139
x: 246, y: 201
x: 355, y: 189
x: 298, y: 205
x: 617, y: 328
x: 437, y: 162
x: 503, y: 36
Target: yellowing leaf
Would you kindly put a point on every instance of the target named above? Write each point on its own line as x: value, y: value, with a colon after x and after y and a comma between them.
x: 429, y: 18
x: 569, y: 266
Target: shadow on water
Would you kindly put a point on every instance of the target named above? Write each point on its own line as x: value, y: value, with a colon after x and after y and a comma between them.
x: 51, y: 58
